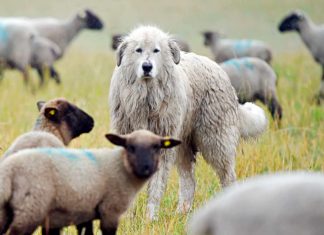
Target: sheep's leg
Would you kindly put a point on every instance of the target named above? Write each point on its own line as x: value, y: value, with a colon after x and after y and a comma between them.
x: 6, y: 218
x: 55, y: 75
x: 109, y: 218
x: 158, y: 183
x: 41, y: 76
x: 87, y: 226
x: 185, y: 165
x: 53, y: 231
x: 321, y: 91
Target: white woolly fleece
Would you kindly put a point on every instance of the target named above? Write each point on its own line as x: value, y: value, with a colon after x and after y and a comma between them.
x: 253, y: 121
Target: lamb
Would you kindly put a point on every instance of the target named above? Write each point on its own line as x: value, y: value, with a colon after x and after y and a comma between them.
x: 44, y: 54
x: 58, y: 187
x: 21, y: 46
x: 118, y: 38
x: 58, y: 123
x: 311, y: 34
x: 253, y: 79
x: 225, y: 49
x: 282, y: 204
x: 157, y: 87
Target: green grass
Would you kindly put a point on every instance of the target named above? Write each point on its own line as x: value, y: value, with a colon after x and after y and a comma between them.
x: 87, y: 67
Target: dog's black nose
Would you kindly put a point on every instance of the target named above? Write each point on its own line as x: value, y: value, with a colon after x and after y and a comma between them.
x: 147, y: 67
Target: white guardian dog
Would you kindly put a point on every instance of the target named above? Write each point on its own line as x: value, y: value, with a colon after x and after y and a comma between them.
x: 159, y: 88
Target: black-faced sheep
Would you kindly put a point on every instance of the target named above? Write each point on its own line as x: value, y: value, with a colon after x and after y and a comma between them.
x: 281, y: 204
x: 58, y: 187
x: 225, y: 49
x: 311, y: 34
x: 59, y: 122
x: 253, y: 79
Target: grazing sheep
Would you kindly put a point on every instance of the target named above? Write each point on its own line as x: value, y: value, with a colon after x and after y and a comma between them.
x: 118, y: 38
x: 157, y: 87
x: 21, y: 47
x: 15, y: 46
x: 225, y: 49
x: 311, y: 34
x: 253, y: 79
x: 58, y: 187
x: 58, y: 123
x: 281, y: 204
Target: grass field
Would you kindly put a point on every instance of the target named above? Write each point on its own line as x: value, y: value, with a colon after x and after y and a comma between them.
x: 87, y: 67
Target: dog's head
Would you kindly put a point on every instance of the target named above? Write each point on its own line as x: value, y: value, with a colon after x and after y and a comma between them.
x: 142, y: 151
x: 291, y: 21
x: 147, y: 50
x: 91, y: 20
x: 67, y: 118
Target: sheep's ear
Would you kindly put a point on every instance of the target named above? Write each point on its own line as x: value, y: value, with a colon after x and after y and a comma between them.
x: 175, y: 51
x: 40, y: 104
x: 52, y: 114
x: 169, y: 142
x: 116, y: 139
x: 120, y: 52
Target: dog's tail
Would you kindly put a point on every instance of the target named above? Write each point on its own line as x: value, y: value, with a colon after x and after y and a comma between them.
x: 252, y: 120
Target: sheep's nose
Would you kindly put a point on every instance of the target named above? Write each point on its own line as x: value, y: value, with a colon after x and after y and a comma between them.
x: 147, y: 67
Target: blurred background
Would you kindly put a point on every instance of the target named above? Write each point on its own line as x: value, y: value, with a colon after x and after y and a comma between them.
x: 187, y: 18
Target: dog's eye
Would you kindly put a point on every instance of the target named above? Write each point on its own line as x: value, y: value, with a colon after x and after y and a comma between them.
x: 139, y: 50
x: 156, y: 50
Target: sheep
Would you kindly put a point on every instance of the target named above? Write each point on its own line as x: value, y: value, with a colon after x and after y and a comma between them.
x: 21, y: 47
x: 15, y: 46
x: 118, y: 38
x: 62, y: 32
x: 253, y: 79
x: 225, y: 49
x: 312, y: 36
x: 59, y: 187
x: 59, y: 122
x: 156, y: 86
x: 282, y: 204
x: 44, y: 54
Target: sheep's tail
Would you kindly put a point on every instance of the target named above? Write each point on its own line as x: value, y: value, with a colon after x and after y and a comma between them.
x: 252, y: 120
x: 6, y: 214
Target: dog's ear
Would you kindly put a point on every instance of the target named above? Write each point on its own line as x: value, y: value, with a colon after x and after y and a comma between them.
x: 175, y: 51
x: 120, y: 52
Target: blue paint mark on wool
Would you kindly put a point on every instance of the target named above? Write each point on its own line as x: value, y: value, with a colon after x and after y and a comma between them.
x: 240, y: 63
x: 241, y: 46
x: 3, y: 33
x: 70, y: 154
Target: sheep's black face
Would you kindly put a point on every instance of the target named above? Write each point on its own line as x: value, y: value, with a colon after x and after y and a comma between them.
x: 143, y: 160
x: 291, y: 22
x: 77, y: 120
x: 208, y: 37
x: 93, y: 21
x: 142, y: 151
x: 67, y: 117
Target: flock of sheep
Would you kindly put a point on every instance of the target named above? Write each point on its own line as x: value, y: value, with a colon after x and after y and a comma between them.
x: 159, y: 87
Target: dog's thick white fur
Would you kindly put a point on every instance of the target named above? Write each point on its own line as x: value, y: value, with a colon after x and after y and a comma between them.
x: 159, y: 88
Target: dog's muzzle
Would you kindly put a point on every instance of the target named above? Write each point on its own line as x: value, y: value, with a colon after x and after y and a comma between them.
x: 147, y: 68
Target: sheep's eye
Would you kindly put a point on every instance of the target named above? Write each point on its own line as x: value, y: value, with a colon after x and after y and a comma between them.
x: 139, y: 50
x: 156, y: 50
